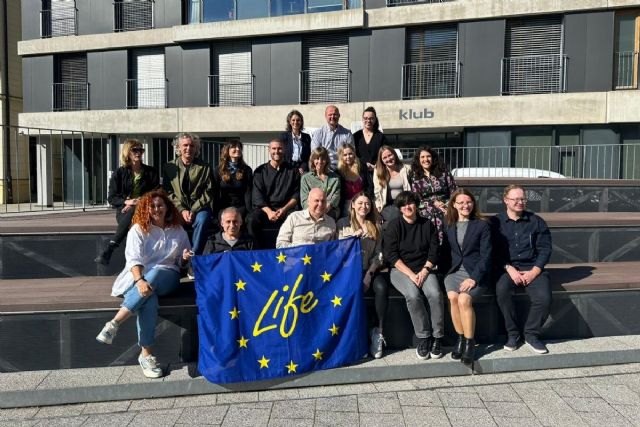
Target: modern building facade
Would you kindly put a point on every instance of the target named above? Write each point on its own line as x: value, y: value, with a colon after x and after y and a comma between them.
x: 459, y: 73
x: 10, y: 100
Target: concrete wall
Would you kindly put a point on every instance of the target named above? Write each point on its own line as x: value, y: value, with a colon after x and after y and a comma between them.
x: 589, y: 40
x: 481, y: 49
x: 37, y: 80
x: 107, y: 74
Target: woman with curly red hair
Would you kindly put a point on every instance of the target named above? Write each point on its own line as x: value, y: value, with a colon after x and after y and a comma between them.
x: 157, y: 247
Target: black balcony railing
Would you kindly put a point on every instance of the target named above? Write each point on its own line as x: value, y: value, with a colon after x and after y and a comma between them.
x: 61, y: 21
x: 324, y: 86
x: 70, y: 96
x: 147, y: 93
x: 436, y: 79
x: 231, y: 89
x: 626, y: 70
x: 534, y: 74
x: 133, y: 15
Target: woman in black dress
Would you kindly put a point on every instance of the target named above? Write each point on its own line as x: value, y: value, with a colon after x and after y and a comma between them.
x: 369, y: 139
x: 232, y: 180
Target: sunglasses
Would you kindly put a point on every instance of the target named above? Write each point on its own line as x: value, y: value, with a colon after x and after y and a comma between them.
x: 138, y: 150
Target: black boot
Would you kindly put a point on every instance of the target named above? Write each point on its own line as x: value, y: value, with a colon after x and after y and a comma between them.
x: 469, y: 351
x: 105, y: 256
x: 456, y: 354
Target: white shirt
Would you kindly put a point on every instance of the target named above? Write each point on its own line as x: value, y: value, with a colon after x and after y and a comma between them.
x: 161, y: 248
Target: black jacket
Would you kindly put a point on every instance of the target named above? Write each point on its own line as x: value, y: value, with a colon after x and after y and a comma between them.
x: 305, y: 138
x: 475, y: 253
x: 217, y: 244
x: 121, y: 184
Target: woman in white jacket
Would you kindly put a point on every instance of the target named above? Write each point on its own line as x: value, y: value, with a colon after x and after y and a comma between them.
x: 391, y: 177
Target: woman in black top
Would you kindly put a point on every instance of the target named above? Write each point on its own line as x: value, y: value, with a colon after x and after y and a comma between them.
x: 232, y: 180
x: 369, y: 139
x: 130, y: 181
x: 297, y: 144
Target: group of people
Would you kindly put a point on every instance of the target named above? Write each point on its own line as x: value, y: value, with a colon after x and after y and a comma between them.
x: 420, y: 232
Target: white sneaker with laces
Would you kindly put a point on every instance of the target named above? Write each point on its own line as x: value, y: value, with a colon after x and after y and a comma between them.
x: 108, y: 333
x: 377, y: 343
x: 149, y: 366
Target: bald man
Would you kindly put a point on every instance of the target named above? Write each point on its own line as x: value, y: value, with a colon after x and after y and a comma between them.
x: 332, y: 135
x: 309, y: 226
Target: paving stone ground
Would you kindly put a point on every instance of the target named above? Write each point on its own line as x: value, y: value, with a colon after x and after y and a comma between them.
x: 606, y: 395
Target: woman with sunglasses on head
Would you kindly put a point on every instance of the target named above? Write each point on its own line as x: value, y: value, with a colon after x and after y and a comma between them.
x: 469, y: 240
x: 128, y: 183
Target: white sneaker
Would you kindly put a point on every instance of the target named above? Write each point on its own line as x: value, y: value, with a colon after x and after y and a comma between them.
x: 108, y: 333
x: 377, y: 343
x: 149, y: 366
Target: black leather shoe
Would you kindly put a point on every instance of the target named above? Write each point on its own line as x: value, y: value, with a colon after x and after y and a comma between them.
x: 456, y: 354
x: 105, y: 256
x: 468, y: 354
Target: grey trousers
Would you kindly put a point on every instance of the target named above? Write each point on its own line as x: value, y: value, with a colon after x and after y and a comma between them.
x: 422, y: 325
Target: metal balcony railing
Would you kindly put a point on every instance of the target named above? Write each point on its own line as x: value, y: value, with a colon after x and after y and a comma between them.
x: 324, y: 86
x: 391, y: 3
x: 61, y: 21
x: 131, y: 16
x: 436, y: 79
x: 626, y: 70
x: 147, y: 93
x: 70, y: 96
x: 231, y: 89
x: 534, y: 74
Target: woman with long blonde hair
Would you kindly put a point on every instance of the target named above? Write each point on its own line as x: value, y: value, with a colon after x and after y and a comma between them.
x: 391, y: 178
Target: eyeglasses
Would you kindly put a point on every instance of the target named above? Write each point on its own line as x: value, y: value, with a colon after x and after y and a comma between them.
x: 138, y: 150
x: 518, y: 200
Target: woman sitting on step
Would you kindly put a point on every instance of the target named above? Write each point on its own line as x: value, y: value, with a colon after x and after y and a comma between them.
x: 157, y: 247
x: 127, y: 184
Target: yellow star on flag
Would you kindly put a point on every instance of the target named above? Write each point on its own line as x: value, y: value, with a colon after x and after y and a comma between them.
x: 334, y: 329
x: 291, y: 367
x: 306, y: 259
x: 240, y: 285
x: 256, y: 267
x: 336, y: 301
x: 325, y: 277
x: 281, y: 258
x: 242, y: 342
x: 264, y: 362
x: 235, y: 313
x: 318, y: 354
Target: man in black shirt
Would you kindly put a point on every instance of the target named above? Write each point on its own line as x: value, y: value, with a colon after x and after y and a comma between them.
x: 522, y: 247
x: 276, y: 192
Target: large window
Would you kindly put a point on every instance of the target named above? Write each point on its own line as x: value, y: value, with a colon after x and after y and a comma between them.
x: 147, y: 84
x: 626, y: 49
x: 534, y: 61
x: 432, y: 69
x: 58, y: 18
x: 232, y: 81
x: 325, y: 76
x: 70, y: 87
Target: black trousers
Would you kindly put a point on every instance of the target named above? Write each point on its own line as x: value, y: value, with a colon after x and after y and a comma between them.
x: 124, y: 222
x: 539, y: 292
x: 263, y: 231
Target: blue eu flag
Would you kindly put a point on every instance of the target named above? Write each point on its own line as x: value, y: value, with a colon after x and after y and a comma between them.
x: 277, y: 313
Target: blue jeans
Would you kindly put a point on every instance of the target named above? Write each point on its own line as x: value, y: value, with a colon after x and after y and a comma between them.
x: 201, y: 225
x: 163, y: 281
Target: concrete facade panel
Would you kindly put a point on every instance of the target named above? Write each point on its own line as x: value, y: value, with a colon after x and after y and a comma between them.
x: 261, y: 69
x: 286, y: 63
x: 173, y: 71
x: 481, y: 49
x: 114, y: 76
x: 400, y: 116
x: 95, y: 17
x: 386, y: 57
x: 167, y: 13
x: 359, y: 64
x: 31, y: 19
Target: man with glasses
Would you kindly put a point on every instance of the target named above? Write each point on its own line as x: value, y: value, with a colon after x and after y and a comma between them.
x: 522, y: 248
